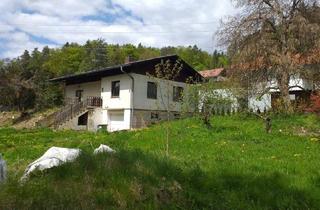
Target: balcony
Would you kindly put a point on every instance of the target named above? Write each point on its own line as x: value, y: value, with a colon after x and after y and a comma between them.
x: 90, y: 101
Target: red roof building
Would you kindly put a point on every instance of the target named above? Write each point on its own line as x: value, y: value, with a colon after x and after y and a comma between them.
x: 216, y: 74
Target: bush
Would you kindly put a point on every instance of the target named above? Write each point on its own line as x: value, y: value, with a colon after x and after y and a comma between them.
x: 315, y: 103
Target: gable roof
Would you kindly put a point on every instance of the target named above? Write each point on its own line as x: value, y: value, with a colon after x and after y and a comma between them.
x: 138, y: 67
x: 211, y: 73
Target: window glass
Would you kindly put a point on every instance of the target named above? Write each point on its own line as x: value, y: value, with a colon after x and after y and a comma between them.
x: 115, y: 89
x: 152, y: 90
x: 177, y: 93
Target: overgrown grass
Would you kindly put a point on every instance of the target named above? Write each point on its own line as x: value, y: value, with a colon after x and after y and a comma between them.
x: 236, y: 165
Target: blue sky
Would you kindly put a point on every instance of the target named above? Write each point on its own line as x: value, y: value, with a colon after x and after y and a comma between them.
x: 27, y: 24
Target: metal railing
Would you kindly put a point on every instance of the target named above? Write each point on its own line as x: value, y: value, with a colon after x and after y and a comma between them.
x: 69, y: 111
x: 91, y: 101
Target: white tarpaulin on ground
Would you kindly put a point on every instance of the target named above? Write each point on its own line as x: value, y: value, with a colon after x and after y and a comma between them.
x: 3, y: 169
x: 103, y: 148
x: 54, y: 156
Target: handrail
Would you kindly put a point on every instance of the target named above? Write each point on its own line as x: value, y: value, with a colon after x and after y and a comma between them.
x: 70, y: 111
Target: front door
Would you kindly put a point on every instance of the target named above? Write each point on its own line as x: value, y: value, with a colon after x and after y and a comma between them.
x: 79, y: 95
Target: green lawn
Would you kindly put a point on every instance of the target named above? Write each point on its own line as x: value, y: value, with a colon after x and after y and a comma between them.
x: 235, y: 165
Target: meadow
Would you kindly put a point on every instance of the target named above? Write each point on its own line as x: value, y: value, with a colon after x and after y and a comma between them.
x: 234, y: 165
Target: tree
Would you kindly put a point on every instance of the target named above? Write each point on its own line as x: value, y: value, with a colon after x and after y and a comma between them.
x: 166, y: 72
x: 205, y: 99
x: 95, y: 55
x: 273, y: 40
x: 15, y: 89
x: 66, y: 60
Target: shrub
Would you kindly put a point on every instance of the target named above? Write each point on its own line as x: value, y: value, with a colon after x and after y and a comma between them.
x: 315, y: 103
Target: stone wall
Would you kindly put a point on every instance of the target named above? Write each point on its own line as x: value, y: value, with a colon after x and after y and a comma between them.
x: 144, y: 118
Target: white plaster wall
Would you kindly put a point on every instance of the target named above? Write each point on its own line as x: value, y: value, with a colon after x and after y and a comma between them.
x: 295, y: 80
x: 263, y: 103
x: 124, y: 99
x: 164, y: 92
x: 94, y: 119
x: 89, y: 89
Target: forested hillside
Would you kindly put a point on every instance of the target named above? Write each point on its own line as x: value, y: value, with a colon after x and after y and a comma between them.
x: 24, y: 81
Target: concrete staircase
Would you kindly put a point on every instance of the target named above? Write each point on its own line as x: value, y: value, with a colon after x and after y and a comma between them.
x: 70, y: 112
x: 63, y: 115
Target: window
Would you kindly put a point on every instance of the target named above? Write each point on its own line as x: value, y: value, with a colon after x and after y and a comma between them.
x: 154, y: 116
x: 177, y: 93
x: 79, y: 94
x: 115, y: 89
x: 152, y: 90
x: 177, y: 116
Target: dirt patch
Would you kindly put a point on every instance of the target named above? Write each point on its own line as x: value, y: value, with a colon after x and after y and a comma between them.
x: 7, y: 118
x: 13, y: 119
x: 302, y: 131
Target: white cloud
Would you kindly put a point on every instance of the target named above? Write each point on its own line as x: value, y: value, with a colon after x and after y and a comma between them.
x: 25, y: 24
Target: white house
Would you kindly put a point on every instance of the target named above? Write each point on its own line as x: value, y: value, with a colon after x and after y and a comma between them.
x: 300, y: 89
x: 121, y: 97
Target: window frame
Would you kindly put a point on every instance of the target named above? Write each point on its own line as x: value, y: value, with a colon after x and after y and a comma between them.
x: 175, y: 93
x: 113, y: 86
x: 79, y: 95
x: 150, y: 92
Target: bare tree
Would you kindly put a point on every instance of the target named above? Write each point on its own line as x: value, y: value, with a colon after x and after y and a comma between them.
x: 166, y: 72
x: 273, y: 40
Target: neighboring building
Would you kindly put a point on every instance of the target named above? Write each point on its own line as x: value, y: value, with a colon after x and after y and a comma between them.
x: 300, y: 91
x: 121, y: 97
x: 220, y: 75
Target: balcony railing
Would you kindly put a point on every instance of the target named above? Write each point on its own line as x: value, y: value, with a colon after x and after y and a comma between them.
x: 90, y: 101
x: 93, y: 101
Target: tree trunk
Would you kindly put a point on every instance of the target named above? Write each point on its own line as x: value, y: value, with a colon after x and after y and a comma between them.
x: 283, y: 84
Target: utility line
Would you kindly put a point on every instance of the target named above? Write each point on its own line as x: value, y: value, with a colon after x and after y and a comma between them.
x: 108, y: 24
x: 116, y: 32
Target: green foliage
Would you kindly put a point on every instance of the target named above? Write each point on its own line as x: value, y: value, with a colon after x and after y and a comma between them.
x: 235, y: 165
x: 197, y: 58
x: 202, y: 99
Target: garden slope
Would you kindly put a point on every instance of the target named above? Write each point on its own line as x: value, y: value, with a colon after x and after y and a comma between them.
x: 233, y: 166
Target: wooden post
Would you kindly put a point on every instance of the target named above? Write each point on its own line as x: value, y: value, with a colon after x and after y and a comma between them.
x: 71, y: 113
x: 268, y: 124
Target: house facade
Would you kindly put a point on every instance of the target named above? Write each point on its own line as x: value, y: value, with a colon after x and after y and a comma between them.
x: 123, y: 97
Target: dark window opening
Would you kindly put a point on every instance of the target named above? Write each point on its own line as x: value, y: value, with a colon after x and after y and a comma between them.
x: 152, y: 90
x: 115, y: 89
x: 79, y: 94
x: 83, y: 119
x: 177, y: 93
x: 177, y: 116
x: 154, y: 116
